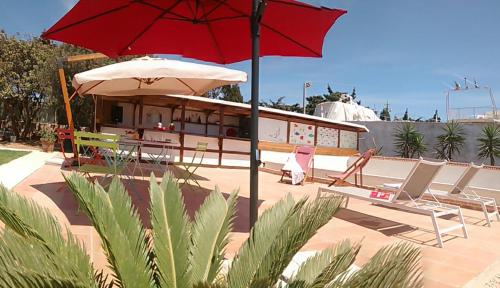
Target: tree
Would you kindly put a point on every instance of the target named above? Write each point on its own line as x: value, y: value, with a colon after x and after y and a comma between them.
x: 385, y: 113
x: 354, y: 95
x: 405, y: 116
x: 179, y: 252
x: 228, y: 93
x: 489, y: 142
x: 451, y: 141
x: 408, y: 141
x: 25, y: 70
x: 280, y: 104
x: 313, y: 101
x: 435, y: 117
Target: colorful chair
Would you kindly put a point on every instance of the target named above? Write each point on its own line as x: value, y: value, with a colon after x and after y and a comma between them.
x: 304, y: 155
x: 355, y: 167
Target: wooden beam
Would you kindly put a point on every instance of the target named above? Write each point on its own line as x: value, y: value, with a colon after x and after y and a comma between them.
x: 64, y: 88
x: 84, y: 57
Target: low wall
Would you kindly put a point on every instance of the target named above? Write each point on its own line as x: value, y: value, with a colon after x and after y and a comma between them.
x: 382, y: 133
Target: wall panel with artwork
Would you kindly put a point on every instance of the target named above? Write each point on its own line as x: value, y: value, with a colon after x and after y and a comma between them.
x: 301, y: 134
x: 327, y: 137
x: 272, y: 130
x: 348, y: 139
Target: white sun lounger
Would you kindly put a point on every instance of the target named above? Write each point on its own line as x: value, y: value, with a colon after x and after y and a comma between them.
x: 408, y: 197
x: 462, y: 192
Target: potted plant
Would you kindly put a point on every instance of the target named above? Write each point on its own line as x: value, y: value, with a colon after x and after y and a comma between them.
x: 47, y: 138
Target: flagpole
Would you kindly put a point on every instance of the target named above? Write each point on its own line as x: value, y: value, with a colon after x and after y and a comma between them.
x: 304, y: 94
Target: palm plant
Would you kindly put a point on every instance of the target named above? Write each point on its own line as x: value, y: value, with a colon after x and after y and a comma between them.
x: 408, y: 141
x: 451, y: 141
x: 35, y: 251
x: 489, y: 142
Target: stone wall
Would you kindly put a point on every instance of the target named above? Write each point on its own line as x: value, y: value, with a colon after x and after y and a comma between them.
x: 382, y: 133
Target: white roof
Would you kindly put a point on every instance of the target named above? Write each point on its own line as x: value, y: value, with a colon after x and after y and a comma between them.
x: 154, y: 76
x: 270, y: 110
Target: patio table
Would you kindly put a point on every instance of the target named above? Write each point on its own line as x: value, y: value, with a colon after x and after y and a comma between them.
x: 155, y: 159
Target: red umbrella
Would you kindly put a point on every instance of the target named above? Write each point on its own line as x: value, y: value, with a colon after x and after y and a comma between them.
x: 210, y: 30
x: 221, y: 31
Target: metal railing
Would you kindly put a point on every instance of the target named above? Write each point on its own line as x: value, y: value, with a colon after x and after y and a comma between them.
x: 472, y: 113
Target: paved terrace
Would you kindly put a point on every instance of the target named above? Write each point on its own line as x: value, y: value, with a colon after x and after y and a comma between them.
x: 474, y: 261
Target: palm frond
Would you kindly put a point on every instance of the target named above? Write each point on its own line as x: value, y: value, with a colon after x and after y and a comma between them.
x: 324, y: 267
x: 209, y: 231
x: 223, y: 238
x: 170, y: 229
x: 119, y: 227
x: 294, y: 234
x: 250, y: 255
x: 34, y: 243
x: 397, y: 265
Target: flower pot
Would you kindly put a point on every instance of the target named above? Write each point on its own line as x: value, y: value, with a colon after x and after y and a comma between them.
x: 47, y: 146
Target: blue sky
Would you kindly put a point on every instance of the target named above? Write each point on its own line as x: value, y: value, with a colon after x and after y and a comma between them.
x: 404, y: 52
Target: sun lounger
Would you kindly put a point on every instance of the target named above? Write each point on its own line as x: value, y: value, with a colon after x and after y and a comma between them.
x: 303, y: 156
x: 408, y: 197
x: 462, y: 192
x: 355, y: 167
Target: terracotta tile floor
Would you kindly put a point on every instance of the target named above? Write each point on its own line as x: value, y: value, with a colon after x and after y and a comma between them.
x: 453, y: 266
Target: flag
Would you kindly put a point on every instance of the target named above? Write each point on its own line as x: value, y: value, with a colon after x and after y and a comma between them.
x: 307, y: 84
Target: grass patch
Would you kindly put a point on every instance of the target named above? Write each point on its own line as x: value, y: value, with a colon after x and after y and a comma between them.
x: 8, y: 155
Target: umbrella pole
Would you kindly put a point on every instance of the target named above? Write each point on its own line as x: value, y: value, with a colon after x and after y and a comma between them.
x: 254, y: 116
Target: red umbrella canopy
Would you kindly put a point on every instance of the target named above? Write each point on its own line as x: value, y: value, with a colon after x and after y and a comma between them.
x: 210, y: 30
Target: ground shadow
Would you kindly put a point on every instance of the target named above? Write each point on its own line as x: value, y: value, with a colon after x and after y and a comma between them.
x: 138, y: 191
x: 392, y: 228
x: 144, y: 170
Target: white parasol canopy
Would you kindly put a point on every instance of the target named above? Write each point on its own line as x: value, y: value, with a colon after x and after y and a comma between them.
x: 154, y: 76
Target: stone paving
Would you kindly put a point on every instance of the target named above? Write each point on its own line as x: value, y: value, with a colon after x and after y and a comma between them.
x: 462, y: 261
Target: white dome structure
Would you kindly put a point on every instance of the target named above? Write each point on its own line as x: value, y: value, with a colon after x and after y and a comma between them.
x: 340, y: 111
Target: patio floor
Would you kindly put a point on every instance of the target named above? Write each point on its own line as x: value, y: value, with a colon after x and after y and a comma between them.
x: 461, y: 261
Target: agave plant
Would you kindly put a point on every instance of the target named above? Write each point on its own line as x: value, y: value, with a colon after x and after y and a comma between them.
x: 408, y: 141
x: 35, y: 251
x: 489, y: 142
x: 451, y: 141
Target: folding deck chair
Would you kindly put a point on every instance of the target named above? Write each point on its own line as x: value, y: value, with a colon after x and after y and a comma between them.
x: 462, y: 192
x: 355, y: 167
x: 190, y: 168
x: 408, y: 197
x: 304, y: 155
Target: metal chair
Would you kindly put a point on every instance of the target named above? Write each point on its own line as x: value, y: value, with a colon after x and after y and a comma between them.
x: 157, y: 159
x: 62, y: 135
x: 98, y: 154
x: 191, y: 167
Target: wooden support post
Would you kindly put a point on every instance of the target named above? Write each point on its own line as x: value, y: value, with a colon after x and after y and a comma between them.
x: 338, y: 138
x: 141, y: 109
x: 315, y: 144
x: 207, y: 114
x: 357, y: 143
x: 133, y: 116
x: 67, y: 105
x: 221, y: 133
x: 181, y: 132
x: 288, y: 131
